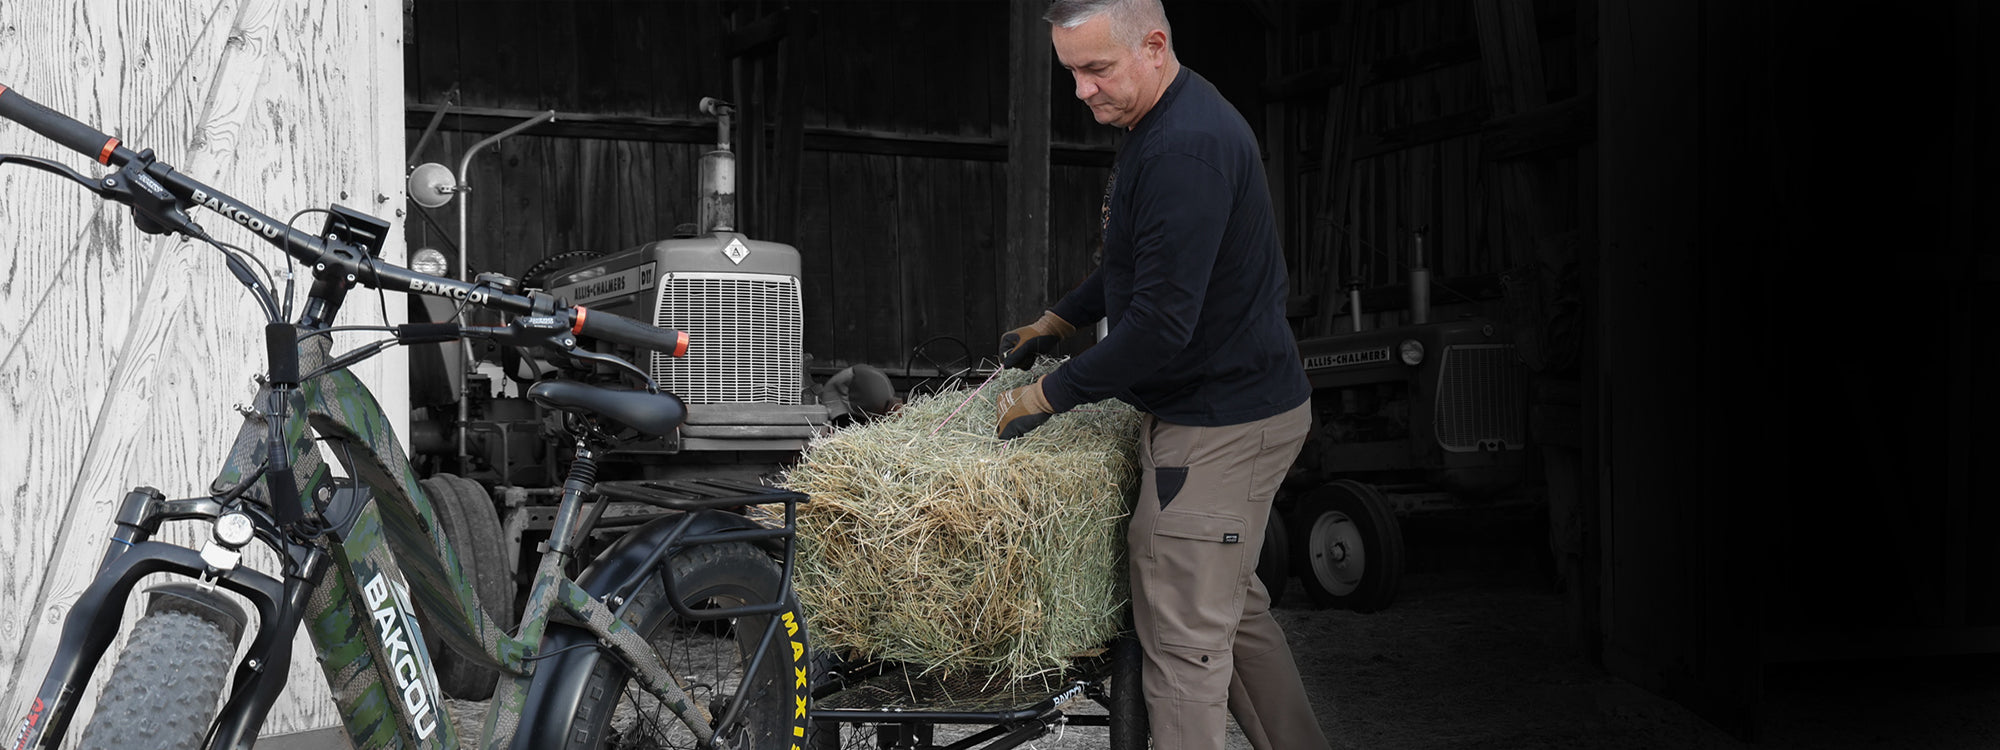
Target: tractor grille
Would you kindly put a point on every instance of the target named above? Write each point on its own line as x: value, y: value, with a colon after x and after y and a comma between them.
x: 743, y: 338
x: 1482, y: 397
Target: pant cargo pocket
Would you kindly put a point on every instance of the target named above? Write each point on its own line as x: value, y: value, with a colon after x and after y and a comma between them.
x: 1195, y: 579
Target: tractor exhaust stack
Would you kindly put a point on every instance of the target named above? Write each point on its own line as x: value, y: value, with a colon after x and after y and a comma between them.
x: 716, y: 211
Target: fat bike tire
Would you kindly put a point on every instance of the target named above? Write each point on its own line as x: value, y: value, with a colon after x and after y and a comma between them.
x: 165, y: 690
x: 709, y: 657
x: 1127, y: 707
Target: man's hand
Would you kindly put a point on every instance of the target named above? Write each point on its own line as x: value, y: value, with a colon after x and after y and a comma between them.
x: 1019, y: 347
x: 1023, y: 409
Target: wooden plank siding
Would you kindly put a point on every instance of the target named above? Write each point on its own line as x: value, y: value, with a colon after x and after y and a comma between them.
x: 1422, y: 162
x: 901, y: 206
x: 121, y: 354
x: 1025, y: 262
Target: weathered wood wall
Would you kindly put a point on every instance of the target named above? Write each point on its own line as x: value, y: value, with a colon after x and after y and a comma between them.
x: 1429, y: 150
x: 121, y: 354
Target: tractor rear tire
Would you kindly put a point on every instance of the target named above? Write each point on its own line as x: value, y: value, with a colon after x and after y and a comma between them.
x: 467, y: 517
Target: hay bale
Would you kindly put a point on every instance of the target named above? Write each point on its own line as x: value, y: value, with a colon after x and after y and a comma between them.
x: 929, y: 541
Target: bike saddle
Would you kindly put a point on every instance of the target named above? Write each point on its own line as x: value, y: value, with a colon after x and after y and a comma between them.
x: 650, y: 413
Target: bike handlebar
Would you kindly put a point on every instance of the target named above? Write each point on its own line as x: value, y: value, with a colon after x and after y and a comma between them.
x: 57, y: 126
x: 328, y: 258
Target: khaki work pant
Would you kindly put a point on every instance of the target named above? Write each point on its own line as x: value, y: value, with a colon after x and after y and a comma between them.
x: 1203, y: 618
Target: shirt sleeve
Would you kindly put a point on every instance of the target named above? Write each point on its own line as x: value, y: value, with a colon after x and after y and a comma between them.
x: 1181, y: 206
x: 1084, y: 305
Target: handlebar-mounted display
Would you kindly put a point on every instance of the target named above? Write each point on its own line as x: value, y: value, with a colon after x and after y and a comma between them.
x: 357, y: 228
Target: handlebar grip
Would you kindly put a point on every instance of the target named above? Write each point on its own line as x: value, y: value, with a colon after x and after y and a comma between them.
x: 57, y: 126
x: 622, y: 330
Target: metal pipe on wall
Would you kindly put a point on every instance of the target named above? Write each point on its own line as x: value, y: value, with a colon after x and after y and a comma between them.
x: 1420, y: 283
x: 464, y: 242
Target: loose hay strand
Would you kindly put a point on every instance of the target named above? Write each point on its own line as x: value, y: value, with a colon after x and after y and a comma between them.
x: 931, y: 542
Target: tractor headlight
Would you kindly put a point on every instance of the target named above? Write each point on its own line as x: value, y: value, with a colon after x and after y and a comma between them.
x: 1412, y: 352
x: 429, y: 261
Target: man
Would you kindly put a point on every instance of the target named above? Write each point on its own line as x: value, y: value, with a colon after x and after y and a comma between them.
x: 1193, y: 287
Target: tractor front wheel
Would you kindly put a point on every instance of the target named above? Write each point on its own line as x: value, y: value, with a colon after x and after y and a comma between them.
x: 1352, y: 547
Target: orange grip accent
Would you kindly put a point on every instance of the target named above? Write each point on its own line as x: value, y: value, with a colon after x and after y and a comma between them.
x: 104, y: 156
x: 3, y: 88
x: 681, y: 344
x: 581, y: 313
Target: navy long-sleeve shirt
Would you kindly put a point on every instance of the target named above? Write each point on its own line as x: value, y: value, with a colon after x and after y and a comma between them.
x: 1193, y: 280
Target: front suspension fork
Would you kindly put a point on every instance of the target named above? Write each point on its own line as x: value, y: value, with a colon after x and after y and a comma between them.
x: 92, y: 624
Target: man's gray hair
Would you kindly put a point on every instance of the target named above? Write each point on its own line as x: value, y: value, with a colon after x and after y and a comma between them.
x: 1130, y: 19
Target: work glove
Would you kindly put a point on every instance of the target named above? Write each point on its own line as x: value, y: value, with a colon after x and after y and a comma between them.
x: 1019, y: 347
x: 1023, y: 409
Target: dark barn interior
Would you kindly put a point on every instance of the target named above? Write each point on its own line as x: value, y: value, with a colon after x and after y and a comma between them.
x: 1744, y: 250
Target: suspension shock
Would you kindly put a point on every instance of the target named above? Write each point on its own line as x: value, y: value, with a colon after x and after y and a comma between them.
x: 582, y: 477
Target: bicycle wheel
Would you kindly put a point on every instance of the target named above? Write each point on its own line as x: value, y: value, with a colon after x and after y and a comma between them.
x: 826, y: 735
x: 1129, y: 729
x: 709, y: 657
x: 166, y: 687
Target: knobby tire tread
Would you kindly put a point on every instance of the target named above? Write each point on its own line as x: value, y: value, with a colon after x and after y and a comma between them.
x: 167, y: 685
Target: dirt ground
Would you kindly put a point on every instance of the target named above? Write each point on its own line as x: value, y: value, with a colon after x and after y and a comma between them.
x: 1473, y: 659
x: 1475, y: 655
x: 1464, y: 659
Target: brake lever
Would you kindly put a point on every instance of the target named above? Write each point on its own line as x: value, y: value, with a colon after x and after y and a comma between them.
x: 154, y: 210
x: 59, y: 170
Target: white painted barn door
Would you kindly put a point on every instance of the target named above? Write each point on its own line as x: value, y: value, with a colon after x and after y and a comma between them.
x: 121, y: 354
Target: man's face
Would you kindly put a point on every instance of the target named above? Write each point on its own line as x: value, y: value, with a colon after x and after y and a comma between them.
x: 1118, y: 81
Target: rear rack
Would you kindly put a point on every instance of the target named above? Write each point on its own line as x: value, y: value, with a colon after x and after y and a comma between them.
x: 692, y: 496
x: 697, y: 494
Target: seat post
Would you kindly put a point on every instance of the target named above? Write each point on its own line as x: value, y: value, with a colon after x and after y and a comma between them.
x: 582, y: 477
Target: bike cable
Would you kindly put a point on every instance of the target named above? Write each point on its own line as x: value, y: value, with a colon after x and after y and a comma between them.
x: 238, y: 261
x: 351, y: 358
x: 381, y: 295
x: 230, y: 495
x: 291, y: 275
x: 567, y: 649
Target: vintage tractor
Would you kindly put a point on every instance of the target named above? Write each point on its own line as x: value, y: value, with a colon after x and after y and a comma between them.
x: 1428, y: 417
x: 496, y: 459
